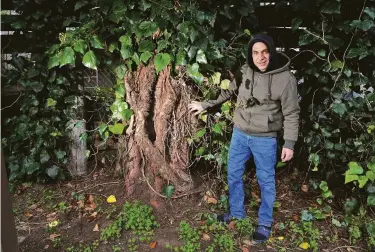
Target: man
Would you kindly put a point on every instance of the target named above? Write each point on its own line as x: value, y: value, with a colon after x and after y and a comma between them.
x: 267, y: 100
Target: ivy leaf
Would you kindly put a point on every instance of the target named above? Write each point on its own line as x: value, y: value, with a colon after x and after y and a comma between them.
x: 67, y: 56
x: 146, y: 46
x: 53, y: 171
x: 306, y: 216
x: 125, y: 40
x: 168, y: 191
x: 96, y: 42
x: 44, y: 157
x: 371, y: 200
x: 217, y: 128
x: 354, y: 169
x: 180, y: 58
x: 117, y: 129
x: 370, y: 175
x: 79, y: 5
x: 80, y: 46
x: 364, y: 25
x: 36, y: 86
x: 102, y: 128
x: 339, y: 108
x: 280, y: 164
x: 144, y: 5
x: 225, y: 84
x: 296, y: 23
x: 331, y: 7
x: 162, y: 44
x: 362, y: 181
x: 112, y: 47
x: 53, y: 61
x: 355, y: 52
x: 161, y: 60
x: 126, y: 52
x: 215, y: 78
x: 89, y: 60
x: 127, y: 114
x: 201, y: 57
x: 350, y: 205
x: 51, y: 102
x: 136, y: 59
x: 336, y: 222
x: 60, y: 154
x: 145, y: 57
x: 200, y: 133
x: 120, y: 71
x: 194, y: 74
x: 370, y: 11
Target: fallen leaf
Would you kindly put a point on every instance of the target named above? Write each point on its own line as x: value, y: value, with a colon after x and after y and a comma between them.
x: 203, y: 222
x: 46, y: 247
x: 91, y: 199
x: 80, y: 204
x: 51, y: 217
x: 232, y: 225
x: 96, y: 228
x: 304, y: 245
x: 280, y: 238
x: 153, y: 244
x: 111, y: 199
x: 53, y: 236
x: 205, y: 237
x: 155, y: 204
x: 93, y: 216
x: 305, y: 188
x: 34, y: 206
x: 53, y: 223
x: 156, y: 34
x: 211, y: 200
x: 244, y: 249
x: 296, y: 217
x: 28, y: 214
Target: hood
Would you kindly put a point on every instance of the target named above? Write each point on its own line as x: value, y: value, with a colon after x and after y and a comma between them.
x: 278, y: 61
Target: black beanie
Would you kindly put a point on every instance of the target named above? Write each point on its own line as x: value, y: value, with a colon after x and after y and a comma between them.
x: 264, y: 38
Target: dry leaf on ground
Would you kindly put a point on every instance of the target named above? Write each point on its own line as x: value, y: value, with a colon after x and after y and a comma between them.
x: 153, y: 244
x: 96, y: 228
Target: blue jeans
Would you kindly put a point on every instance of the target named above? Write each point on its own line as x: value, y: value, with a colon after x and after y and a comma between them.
x: 242, y: 148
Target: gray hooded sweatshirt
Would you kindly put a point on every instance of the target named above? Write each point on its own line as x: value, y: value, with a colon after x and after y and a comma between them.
x: 266, y: 101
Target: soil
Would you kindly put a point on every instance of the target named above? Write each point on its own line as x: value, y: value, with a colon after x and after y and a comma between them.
x: 34, y: 207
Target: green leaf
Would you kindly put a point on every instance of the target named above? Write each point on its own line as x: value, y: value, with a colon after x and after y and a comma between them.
x: 44, y: 157
x: 36, y: 86
x: 53, y: 61
x: 362, y: 181
x: 80, y: 46
x: 120, y: 71
x: 162, y: 44
x: 336, y: 222
x: 120, y: 92
x: 306, y: 216
x: 67, y: 56
x: 215, y: 78
x: 51, y: 102
x: 192, y: 72
x: 96, y: 42
x: 112, y: 47
x: 161, y: 60
x: 331, y: 7
x: 126, y: 52
x: 168, y: 191
x: 32, y: 73
x: 370, y: 11
x: 339, y: 108
x: 180, y: 58
x: 201, y: 57
x: 370, y: 175
x: 127, y: 114
x: 371, y: 166
x: 350, y: 205
x: 371, y: 200
x: 146, y: 28
x: 350, y: 178
x: 193, y: 33
x: 125, y: 40
x: 145, y: 57
x: 60, y: 154
x: 323, y: 186
x: 371, y: 189
x: 146, y: 46
x: 225, y: 84
x: 87, y: 154
x: 89, y: 60
x: 364, y: 25
x: 217, y: 128
x: 117, y: 129
x: 79, y: 5
x: 53, y: 171
x: 354, y: 169
x: 358, y: 52
x: 136, y: 59
x: 280, y: 164
x: 200, y: 133
x: 296, y: 23
x: 102, y: 128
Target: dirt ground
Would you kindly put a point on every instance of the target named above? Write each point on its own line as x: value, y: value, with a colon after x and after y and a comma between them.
x: 35, y: 206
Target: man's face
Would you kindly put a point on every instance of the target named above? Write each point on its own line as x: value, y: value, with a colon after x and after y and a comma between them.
x: 261, y: 56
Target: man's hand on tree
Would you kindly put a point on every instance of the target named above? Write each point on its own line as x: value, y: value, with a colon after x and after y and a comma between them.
x: 286, y: 154
x: 196, y: 107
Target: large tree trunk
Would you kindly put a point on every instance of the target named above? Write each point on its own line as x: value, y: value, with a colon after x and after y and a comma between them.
x: 156, y: 139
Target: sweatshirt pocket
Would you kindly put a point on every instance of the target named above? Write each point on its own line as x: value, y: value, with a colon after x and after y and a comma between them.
x: 275, y: 122
x: 260, y: 122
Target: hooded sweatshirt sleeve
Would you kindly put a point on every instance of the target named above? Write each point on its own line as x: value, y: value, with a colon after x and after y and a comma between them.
x: 226, y: 94
x: 290, y: 110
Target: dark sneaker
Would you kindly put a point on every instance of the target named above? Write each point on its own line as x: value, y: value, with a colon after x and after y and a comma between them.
x: 262, y: 234
x: 224, y: 218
